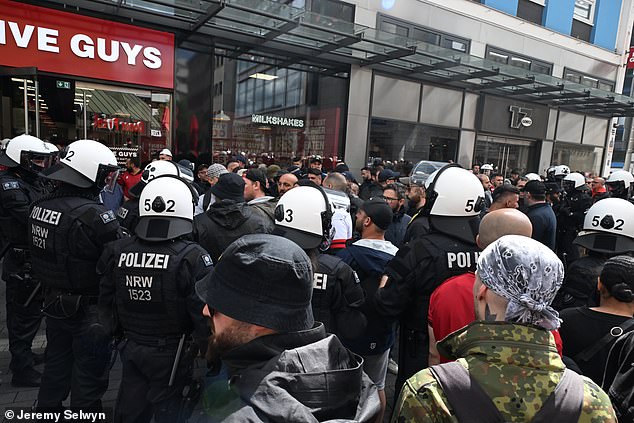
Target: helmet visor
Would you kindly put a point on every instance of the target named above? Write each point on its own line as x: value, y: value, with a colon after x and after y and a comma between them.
x: 37, y: 162
x: 568, y: 186
x: 616, y: 187
x: 107, y: 176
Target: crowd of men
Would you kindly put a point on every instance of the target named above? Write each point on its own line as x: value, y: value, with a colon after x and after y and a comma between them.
x: 511, y: 299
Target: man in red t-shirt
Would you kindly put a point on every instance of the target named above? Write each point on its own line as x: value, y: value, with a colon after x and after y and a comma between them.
x: 131, y: 176
x: 451, y: 304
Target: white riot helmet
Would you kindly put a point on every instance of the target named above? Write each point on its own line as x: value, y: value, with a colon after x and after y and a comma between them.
x: 304, y: 215
x: 30, y: 153
x: 621, y: 184
x: 455, y: 198
x: 84, y: 164
x: 608, y: 227
x: 486, y: 168
x: 166, y: 209
x: 557, y: 173
x: 533, y: 177
x: 159, y: 168
x: 574, y: 181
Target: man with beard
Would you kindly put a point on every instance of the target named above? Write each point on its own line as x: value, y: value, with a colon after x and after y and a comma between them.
x: 131, y: 176
x: 281, y: 365
x: 419, y: 224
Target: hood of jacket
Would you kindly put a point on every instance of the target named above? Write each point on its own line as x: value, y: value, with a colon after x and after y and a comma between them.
x: 229, y: 214
x: 300, y: 376
x: 265, y: 207
x: 371, y: 256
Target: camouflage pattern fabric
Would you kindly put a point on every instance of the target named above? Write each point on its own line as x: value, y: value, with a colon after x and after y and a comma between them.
x: 517, y: 366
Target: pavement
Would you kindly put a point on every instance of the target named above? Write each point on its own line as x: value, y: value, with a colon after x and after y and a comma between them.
x: 26, y: 397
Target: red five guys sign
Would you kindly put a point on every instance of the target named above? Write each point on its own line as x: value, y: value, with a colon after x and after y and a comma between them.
x: 67, y: 43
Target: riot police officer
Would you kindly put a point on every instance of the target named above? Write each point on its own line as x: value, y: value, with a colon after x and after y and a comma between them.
x: 128, y: 213
x: 571, y: 212
x: 68, y: 231
x: 454, y: 201
x: 24, y: 157
x: 557, y: 173
x: 620, y: 184
x: 304, y: 215
x: 608, y: 231
x: 148, y: 284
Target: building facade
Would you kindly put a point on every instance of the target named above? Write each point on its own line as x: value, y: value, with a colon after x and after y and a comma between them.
x: 521, y: 84
x: 580, y: 42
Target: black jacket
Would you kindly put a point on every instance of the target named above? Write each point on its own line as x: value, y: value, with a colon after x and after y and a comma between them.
x: 395, y: 233
x: 619, y: 377
x: 223, y: 223
x: 418, y: 268
x: 544, y: 224
x: 337, y: 296
x: 416, y: 227
x: 580, y: 283
x: 293, y: 377
x: 369, y: 189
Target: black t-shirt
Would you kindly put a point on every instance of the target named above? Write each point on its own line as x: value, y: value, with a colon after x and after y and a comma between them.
x: 582, y: 328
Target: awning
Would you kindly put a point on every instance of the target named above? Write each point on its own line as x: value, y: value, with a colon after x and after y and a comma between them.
x: 283, y: 36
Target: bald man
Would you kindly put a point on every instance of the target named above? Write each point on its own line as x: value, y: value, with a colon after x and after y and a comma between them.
x: 451, y: 304
x: 336, y: 181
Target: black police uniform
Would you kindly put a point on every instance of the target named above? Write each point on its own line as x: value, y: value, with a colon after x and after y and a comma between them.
x: 128, y: 215
x: 579, y: 288
x: 570, y: 216
x: 68, y: 231
x: 418, y: 269
x: 337, y: 296
x: 150, y: 288
x: 16, y: 195
x: 417, y: 227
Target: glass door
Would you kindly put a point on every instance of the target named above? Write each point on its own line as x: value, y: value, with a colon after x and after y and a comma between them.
x: 506, y: 154
x: 20, y: 102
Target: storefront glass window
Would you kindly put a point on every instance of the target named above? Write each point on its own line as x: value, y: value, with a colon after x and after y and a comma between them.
x: 12, y: 122
x: 271, y: 117
x: 395, y: 140
x: 578, y: 157
x: 506, y: 154
x: 193, y: 90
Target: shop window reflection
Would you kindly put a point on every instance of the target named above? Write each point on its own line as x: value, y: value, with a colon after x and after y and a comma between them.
x: 577, y: 157
x: 395, y: 140
x: 270, y: 118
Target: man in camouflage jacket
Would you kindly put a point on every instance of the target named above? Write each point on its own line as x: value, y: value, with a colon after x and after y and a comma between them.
x: 509, y: 352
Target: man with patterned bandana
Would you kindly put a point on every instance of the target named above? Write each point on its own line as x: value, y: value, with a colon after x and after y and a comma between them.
x: 507, y: 366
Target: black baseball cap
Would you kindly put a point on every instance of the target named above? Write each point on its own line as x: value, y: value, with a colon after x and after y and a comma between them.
x: 535, y: 187
x: 386, y: 174
x: 379, y: 211
x: 257, y: 175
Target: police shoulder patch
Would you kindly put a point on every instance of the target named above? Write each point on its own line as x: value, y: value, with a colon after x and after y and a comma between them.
x: 122, y: 212
x: 207, y: 260
x: 107, y: 217
x: 6, y: 186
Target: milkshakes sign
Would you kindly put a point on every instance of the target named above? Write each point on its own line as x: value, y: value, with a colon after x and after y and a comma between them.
x: 72, y: 44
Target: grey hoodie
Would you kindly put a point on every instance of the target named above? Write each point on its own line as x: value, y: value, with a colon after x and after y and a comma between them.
x: 293, y: 377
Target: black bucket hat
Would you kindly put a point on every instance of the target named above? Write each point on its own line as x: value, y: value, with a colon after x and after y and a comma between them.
x: 262, y: 279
